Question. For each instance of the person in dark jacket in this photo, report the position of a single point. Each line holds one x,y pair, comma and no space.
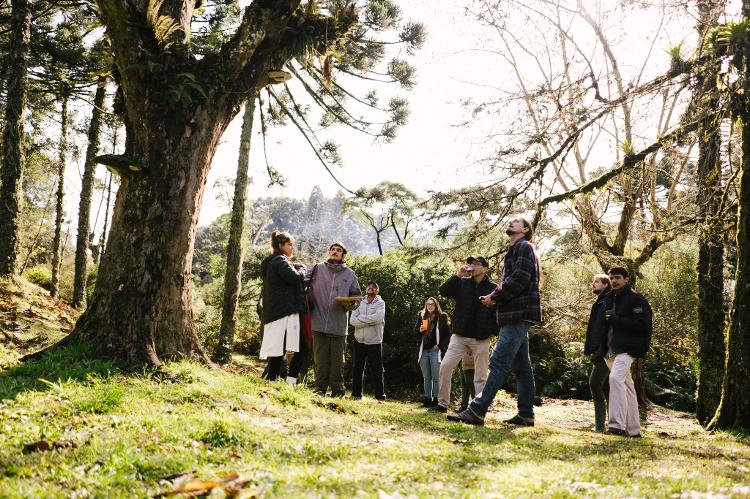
434,335
473,326
283,302
628,336
594,347
518,306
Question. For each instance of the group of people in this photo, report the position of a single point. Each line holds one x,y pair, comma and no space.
308,310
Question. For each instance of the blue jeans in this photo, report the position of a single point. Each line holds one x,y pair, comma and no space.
430,365
511,352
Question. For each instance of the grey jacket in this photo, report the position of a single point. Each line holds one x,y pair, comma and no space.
368,320
328,282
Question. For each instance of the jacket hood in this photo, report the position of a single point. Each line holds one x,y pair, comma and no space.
337,266
266,262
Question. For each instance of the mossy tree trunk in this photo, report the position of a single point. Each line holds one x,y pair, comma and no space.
11,170
233,272
710,268
734,407
176,109
60,198
83,238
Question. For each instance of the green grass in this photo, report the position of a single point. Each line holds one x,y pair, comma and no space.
129,431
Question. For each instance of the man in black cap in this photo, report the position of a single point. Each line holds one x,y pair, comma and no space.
473,326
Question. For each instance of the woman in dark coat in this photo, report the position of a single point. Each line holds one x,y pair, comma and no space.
283,307
434,335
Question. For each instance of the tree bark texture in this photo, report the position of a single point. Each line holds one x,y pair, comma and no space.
140,311
710,267
84,205
233,272
60,199
11,171
734,407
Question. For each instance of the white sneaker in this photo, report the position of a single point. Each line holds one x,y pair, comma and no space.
291,381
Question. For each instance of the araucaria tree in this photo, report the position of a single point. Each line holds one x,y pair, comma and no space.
176,107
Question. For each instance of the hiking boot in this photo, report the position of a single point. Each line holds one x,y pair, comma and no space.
438,408
617,431
520,421
468,416
600,415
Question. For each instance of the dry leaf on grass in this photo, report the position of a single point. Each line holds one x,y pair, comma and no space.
197,486
46,445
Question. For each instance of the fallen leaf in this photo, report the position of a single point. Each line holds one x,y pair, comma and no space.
46,445
197,485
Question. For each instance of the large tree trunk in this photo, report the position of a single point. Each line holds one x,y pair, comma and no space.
176,108
83,238
59,206
11,172
710,268
233,273
141,308
734,408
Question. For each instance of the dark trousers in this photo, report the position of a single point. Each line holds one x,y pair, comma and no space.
275,363
599,380
374,356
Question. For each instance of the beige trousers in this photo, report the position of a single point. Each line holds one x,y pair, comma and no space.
459,347
623,403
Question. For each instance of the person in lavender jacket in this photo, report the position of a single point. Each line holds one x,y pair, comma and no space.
330,280
518,306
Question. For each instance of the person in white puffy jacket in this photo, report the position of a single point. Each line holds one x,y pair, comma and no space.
368,320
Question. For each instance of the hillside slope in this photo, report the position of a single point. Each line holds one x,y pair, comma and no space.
30,319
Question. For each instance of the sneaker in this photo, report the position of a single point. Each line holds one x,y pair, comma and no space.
438,408
355,397
434,401
338,395
462,408
427,402
380,398
617,431
520,421
468,416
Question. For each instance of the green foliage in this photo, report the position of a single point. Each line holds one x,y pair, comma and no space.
101,398
405,283
41,275
668,282
184,91
221,433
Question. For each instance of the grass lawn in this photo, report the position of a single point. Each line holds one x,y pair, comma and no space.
138,435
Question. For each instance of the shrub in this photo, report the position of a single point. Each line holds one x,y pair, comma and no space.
40,275
405,283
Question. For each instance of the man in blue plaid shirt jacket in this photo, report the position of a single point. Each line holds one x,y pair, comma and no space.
518,307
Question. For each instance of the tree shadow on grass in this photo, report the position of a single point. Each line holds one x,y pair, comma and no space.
69,362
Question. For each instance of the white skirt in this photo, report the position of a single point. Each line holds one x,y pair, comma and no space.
274,334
